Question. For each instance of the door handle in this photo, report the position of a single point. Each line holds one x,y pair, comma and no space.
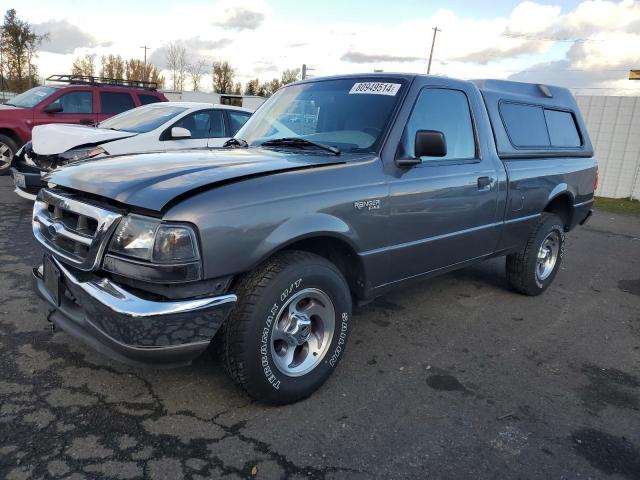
87,121
485,183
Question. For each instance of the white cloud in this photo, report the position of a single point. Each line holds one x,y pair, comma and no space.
65,37
240,18
264,44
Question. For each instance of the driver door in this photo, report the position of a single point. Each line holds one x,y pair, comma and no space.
444,211
77,107
199,124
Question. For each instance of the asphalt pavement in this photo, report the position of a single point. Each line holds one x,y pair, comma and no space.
455,377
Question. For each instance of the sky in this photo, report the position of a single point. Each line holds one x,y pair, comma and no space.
587,45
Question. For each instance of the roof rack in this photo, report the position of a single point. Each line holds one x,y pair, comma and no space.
104,81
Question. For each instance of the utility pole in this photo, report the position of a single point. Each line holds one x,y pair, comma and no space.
305,69
144,68
433,43
145,54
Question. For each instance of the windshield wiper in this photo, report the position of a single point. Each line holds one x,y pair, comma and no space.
235,142
299,142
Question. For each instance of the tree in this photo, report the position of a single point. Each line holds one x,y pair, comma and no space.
84,65
264,90
136,69
274,85
19,45
195,71
113,66
267,89
252,87
289,76
223,76
237,89
177,64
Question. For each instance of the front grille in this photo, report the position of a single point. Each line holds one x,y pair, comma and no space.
74,231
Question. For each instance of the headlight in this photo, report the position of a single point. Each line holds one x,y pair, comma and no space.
149,239
82,153
134,237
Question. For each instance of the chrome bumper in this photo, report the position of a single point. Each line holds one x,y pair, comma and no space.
129,328
25,195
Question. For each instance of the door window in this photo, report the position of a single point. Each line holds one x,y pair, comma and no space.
75,102
446,111
203,124
217,124
236,121
115,102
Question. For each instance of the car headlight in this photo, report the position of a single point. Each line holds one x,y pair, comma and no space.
150,239
82,153
134,237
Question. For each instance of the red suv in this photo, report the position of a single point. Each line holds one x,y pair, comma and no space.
84,100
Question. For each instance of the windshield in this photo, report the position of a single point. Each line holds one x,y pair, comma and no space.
142,119
32,97
348,114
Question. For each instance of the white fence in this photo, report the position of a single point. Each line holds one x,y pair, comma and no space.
614,127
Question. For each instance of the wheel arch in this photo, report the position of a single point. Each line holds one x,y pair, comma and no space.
326,236
560,203
12,135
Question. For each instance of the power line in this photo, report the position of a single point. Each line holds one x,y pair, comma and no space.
531,36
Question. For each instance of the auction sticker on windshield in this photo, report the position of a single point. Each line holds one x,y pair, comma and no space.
375,88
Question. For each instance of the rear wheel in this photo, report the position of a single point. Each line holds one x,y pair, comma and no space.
8,149
289,328
533,269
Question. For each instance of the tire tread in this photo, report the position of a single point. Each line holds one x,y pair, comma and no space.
516,265
249,289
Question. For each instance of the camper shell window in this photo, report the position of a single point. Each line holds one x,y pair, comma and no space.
533,126
534,121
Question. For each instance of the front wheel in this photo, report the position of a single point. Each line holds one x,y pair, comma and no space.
289,328
533,269
8,149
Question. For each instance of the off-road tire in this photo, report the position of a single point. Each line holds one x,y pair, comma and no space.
9,142
246,354
521,266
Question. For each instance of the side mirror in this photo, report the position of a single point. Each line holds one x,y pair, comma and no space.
429,143
53,107
179,133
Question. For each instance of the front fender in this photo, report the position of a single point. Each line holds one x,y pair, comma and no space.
18,131
307,226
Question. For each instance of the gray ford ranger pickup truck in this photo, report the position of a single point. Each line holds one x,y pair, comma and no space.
334,192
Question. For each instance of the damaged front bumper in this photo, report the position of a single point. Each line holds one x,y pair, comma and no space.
125,326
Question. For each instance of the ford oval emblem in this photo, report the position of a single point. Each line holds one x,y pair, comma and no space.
54,229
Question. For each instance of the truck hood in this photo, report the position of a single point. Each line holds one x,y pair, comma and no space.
57,138
152,180
9,112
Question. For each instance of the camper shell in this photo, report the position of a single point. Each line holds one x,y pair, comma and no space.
534,120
